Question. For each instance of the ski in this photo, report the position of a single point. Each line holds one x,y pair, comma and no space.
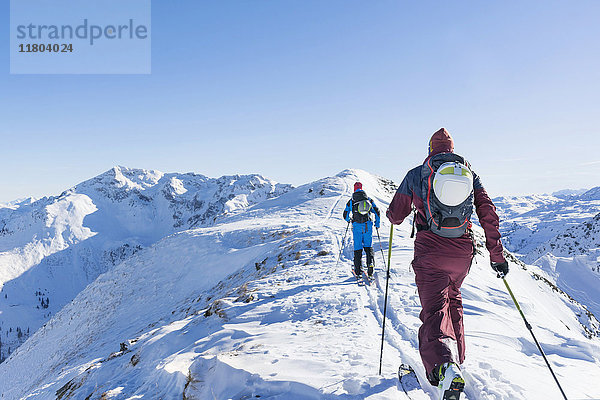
408,380
359,279
363,279
368,279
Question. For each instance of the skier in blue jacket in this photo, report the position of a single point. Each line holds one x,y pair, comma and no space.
358,210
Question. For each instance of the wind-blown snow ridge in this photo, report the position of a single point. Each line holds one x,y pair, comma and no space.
254,305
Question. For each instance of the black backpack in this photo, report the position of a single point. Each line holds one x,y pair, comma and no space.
444,220
361,207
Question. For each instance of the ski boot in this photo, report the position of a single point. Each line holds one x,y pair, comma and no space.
370,271
451,381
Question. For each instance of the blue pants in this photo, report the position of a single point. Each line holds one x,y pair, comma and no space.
363,237
362,234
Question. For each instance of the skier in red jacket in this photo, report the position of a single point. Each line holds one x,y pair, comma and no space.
443,254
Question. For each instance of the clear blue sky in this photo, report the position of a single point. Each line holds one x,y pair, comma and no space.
298,90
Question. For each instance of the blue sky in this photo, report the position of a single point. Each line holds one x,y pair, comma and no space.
298,90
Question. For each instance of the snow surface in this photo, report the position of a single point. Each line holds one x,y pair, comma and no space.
581,239
560,235
569,192
526,222
254,305
571,260
52,248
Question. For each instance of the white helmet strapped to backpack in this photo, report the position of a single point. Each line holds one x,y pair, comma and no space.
453,183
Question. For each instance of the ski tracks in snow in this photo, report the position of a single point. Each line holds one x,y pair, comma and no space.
281,322
401,345
402,319
402,311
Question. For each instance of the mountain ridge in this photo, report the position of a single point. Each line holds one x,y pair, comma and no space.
89,228
254,304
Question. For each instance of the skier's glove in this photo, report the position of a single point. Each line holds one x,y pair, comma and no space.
500,268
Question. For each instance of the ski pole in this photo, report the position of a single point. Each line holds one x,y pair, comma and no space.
380,246
387,280
342,246
534,338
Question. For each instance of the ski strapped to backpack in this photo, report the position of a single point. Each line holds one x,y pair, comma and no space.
447,190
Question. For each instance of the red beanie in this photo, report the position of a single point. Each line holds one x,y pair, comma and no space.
357,186
441,142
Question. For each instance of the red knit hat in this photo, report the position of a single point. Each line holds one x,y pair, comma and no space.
441,142
357,186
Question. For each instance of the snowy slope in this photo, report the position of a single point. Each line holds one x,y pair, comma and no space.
571,260
527,222
255,305
50,249
581,239
561,235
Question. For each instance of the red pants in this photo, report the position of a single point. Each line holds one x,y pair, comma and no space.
441,337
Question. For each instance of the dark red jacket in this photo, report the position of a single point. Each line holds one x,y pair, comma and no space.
427,242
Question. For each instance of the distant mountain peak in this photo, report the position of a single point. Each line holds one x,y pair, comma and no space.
353,172
98,224
134,178
569,192
592,194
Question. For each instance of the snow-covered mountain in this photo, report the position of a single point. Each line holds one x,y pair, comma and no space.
253,304
578,240
572,260
530,221
50,249
560,233
569,192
